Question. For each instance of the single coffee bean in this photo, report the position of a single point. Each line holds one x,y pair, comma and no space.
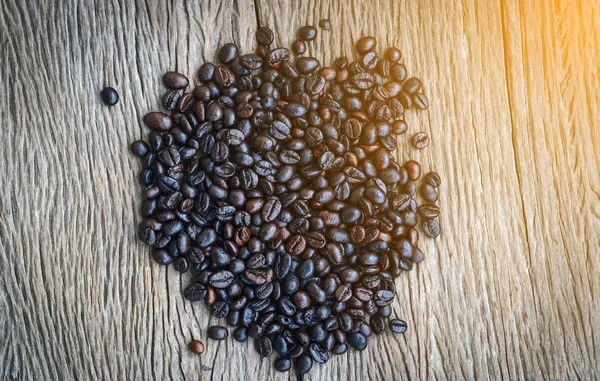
264,36
197,347
139,148
398,326
433,179
303,364
110,97
413,169
217,333
366,44
357,341
158,121
307,33
299,47
175,81
228,53
429,210
421,101
429,193
325,24
195,292
420,140
431,228
282,364
306,65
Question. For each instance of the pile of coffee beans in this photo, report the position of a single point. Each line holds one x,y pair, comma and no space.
273,181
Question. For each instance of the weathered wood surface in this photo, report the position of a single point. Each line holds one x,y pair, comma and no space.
509,291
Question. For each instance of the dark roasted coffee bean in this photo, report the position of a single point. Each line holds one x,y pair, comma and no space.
277,56
162,257
264,36
433,179
398,326
429,211
357,341
420,140
109,96
299,47
307,33
195,292
240,334
315,84
219,309
282,364
228,53
139,148
306,65
431,228
224,77
429,193
175,81
263,346
303,364
158,121
366,44
325,24
217,332
221,279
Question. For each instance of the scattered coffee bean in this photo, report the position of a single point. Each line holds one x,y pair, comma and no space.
325,24
197,347
431,228
307,33
110,97
398,326
175,81
420,140
218,332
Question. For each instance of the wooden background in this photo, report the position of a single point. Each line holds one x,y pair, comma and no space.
509,291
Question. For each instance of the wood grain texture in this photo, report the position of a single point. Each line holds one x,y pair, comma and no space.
509,291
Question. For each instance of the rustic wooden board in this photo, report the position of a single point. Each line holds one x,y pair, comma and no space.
510,290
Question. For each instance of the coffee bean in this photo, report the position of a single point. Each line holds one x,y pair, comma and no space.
429,211
277,56
357,341
175,81
158,121
224,77
217,333
195,292
366,44
110,97
431,228
228,53
307,33
197,347
221,279
398,326
420,140
306,65
282,364
429,193
420,101
325,24
139,148
264,36
433,179
315,84
299,47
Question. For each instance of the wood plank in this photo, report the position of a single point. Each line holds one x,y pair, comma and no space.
510,290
